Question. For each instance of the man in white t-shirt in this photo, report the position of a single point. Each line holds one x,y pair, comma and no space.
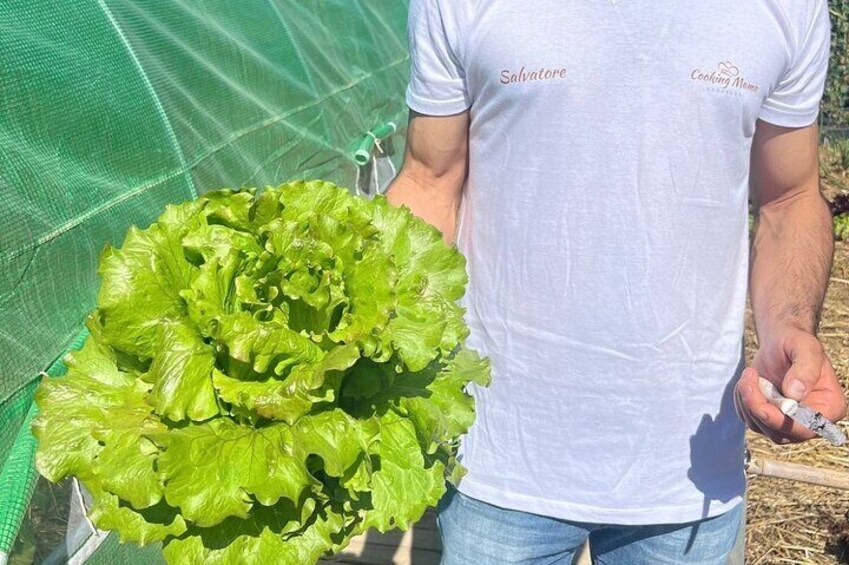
593,162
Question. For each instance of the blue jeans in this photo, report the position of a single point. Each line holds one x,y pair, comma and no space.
477,533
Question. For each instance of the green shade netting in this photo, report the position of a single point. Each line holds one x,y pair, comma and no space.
111,109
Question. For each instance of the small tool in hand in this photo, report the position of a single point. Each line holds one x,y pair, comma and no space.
809,418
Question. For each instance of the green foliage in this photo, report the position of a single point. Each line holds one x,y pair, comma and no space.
834,157
835,106
841,227
267,376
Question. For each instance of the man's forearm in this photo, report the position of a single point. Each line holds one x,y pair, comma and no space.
428,199
791,262
435,164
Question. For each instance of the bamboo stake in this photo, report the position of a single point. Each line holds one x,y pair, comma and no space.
801,473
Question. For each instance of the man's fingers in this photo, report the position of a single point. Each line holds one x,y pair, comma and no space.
750,395
797,364
807,357
757,404
833,406
811,366
763,416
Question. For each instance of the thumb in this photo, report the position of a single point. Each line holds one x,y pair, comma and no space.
806,357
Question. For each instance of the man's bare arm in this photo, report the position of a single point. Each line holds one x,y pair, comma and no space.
794,245
791,261
435,166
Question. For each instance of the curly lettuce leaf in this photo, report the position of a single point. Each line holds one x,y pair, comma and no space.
334,436
156,523
404,487
264,346
304,389
215,470
268,375
182,374
446,411
141,281
99,434
431,277
265,539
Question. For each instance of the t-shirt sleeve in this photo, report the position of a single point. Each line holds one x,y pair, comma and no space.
437,80
795,100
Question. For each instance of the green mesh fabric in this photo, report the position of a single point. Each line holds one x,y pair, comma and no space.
17,479
111,109
17,474
13,412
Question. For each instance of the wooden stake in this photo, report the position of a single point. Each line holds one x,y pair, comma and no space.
801,473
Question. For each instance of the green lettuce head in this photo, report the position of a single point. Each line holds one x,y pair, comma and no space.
266,376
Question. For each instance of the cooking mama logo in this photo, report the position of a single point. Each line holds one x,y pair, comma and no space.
725,76
509,76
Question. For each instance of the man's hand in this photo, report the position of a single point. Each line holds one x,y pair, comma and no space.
790,266
796,364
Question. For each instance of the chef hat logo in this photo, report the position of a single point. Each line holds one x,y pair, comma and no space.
728,69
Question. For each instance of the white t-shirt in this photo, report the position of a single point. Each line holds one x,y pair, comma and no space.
605,226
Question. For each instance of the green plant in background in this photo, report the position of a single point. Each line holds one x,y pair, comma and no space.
839,206
267,376
837,155
841,227
835,105
834,162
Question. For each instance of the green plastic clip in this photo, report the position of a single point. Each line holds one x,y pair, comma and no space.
365,145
